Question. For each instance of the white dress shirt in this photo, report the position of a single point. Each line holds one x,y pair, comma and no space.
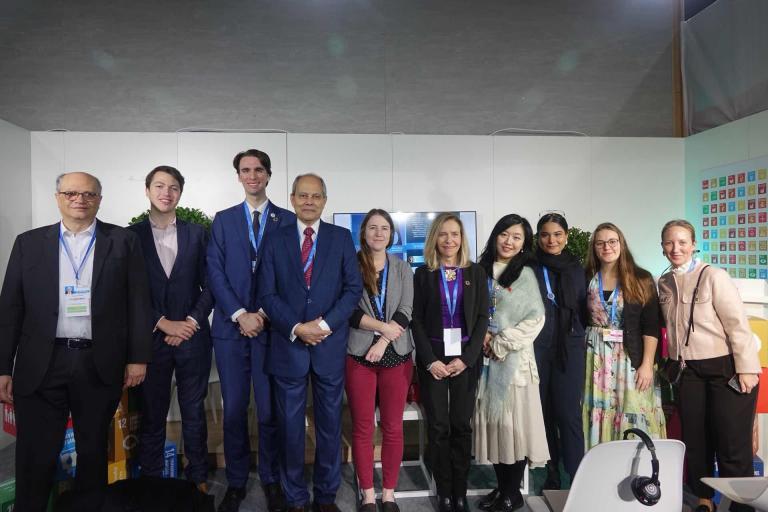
166,244
74,326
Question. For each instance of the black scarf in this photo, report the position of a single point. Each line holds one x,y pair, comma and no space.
565,297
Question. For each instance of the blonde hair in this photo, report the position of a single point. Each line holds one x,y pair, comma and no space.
431,255
680,223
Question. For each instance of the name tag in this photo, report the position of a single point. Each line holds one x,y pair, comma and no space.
77,301
452,341
614,335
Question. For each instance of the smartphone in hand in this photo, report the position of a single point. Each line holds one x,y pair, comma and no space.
735,384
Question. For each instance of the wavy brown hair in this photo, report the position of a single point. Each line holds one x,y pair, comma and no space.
364,256
636,285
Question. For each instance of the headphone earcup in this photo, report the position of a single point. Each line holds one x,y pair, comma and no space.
646,490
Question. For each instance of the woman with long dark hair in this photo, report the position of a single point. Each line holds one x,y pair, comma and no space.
560,347
450,319
379,358
623,332
509,426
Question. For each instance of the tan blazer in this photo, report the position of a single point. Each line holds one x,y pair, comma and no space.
720,324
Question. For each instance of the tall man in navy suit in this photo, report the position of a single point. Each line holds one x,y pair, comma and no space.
309,284
240,339
174,254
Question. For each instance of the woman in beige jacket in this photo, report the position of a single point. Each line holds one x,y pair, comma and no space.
709,334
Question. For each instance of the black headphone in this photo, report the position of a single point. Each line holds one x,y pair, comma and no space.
647,490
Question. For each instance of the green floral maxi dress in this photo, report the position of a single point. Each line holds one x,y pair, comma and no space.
612,404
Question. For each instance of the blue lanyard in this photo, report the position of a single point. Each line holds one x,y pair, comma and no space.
492,297
255,242
550,295
311,256
381,297
615,296
450,301
79,268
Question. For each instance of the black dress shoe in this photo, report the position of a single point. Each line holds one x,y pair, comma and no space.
552,483
507,504
232,499
298,508
460,504
275,498
444,504
486,502
389,506
367,507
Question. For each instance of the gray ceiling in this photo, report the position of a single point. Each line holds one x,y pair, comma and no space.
602,67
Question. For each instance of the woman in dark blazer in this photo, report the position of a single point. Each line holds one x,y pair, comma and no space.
379,358
450,318
623,332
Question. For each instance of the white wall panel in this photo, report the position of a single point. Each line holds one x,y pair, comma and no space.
533,174
205,160
638,185
357,169
438,173
47,162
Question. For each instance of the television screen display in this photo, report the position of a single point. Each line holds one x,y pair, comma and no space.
411,230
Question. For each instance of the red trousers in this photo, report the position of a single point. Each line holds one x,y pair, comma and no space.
361,385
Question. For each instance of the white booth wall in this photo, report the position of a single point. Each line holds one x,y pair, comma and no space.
16,203
591,179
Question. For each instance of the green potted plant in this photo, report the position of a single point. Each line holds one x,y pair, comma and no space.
193,215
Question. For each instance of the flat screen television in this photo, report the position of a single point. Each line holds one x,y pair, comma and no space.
411,230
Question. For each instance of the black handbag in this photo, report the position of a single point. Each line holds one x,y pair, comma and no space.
671,370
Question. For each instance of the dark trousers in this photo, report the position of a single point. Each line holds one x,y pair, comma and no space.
192,363
449,404
70,385
291,401
509,477
562,392
716,422
241,365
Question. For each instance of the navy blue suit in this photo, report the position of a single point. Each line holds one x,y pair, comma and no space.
175,297
240,359
334,292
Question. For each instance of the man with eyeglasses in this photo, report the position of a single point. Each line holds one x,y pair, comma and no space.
75,316
240,339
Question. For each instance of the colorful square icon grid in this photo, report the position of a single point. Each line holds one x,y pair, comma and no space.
734,226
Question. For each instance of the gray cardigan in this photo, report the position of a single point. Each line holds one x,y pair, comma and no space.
398,304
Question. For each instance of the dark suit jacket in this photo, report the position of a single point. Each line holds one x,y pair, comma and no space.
185,292
428,314
229,265
334,291
121,318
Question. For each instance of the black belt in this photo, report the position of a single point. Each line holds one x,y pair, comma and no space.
74,343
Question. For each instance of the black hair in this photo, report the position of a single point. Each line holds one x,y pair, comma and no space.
262,156
519,260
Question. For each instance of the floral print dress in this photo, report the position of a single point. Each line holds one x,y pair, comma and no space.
612,404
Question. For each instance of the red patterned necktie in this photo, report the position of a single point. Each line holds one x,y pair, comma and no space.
306,248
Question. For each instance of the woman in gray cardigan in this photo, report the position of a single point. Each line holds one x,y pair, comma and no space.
379,357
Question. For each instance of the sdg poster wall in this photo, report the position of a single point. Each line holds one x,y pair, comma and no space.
734,230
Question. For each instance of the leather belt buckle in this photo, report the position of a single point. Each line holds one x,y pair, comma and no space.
74,343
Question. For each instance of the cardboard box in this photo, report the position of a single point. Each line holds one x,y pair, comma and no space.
124,430
8,497
117,471
759,326
9,419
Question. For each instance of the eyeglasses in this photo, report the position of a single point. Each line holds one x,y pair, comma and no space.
612,243
71,195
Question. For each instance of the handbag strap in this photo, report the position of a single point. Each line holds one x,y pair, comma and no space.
693,303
